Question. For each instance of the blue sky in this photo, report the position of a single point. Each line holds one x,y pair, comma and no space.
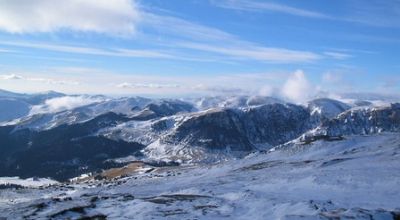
191,47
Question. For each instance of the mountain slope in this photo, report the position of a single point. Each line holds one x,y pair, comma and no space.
205,103
15,105
62,152
325,108
363,120
12,108
76,139
356,178
218,134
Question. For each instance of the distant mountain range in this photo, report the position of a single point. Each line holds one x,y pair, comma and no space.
61,136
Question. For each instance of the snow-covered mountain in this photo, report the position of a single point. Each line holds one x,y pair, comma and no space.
361,121
356,178
15,105
325,108
214,134
205,103
197,158
12,108
171,130
233,131
83,108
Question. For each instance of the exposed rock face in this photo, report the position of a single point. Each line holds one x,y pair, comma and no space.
62,152
361,121
216,129
163,108
365,121
275,124
324,109
241,130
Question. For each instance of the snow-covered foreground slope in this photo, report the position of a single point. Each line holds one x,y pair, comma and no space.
30,182
356,178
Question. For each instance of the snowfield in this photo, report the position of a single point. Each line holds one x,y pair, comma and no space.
30,182
355,178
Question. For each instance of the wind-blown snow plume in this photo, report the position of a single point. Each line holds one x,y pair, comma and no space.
297,88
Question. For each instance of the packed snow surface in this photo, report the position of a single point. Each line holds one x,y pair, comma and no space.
30,182
355,178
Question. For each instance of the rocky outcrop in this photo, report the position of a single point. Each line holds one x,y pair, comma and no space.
241,130
324,109
359,121
163,108
365,121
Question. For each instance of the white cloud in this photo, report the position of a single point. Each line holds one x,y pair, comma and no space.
127,85
111,52
341,79
217,90
180,35
246,50
190,35
117,17
5,51
279,55
178,27
93,51
337,55
375,13
36,79
10,76
143,53
297,88
331,77
268,90
53,81
63,103
249,5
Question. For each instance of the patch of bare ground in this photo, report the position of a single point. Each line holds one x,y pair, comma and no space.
122,171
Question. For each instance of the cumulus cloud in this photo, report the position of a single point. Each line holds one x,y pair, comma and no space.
127,85
64,103
101,16
297,88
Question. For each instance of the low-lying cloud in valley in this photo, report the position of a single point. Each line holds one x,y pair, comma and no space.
64,103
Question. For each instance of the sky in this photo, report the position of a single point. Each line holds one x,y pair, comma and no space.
200,47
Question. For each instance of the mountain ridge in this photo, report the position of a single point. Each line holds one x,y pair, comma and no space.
178,130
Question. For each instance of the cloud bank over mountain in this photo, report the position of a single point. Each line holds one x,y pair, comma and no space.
64,103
